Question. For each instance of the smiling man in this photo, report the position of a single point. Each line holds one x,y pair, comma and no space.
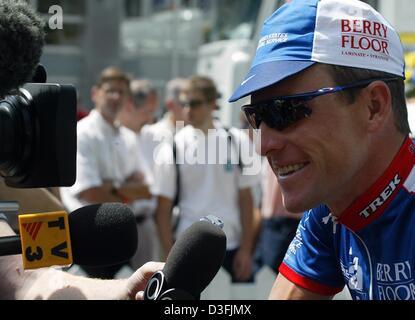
327,93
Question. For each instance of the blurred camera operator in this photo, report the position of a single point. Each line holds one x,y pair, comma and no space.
21,42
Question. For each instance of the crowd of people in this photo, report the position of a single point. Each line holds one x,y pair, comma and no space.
124,155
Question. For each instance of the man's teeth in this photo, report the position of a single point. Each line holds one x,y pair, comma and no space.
285,171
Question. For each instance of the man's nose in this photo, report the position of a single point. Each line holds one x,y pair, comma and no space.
270,139
186,110
115,95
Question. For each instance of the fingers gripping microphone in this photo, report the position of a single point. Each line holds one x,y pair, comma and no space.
100,235
193,262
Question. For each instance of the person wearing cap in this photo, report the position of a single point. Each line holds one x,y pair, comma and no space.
327,93
213,184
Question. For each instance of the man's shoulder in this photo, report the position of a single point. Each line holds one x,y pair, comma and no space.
88,126
157,131
87,130
127,134
319,218
185,133
159,125
85,122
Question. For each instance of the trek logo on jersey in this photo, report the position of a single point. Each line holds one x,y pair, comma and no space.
381,199
365,36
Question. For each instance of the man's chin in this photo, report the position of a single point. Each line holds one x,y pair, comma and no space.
297,205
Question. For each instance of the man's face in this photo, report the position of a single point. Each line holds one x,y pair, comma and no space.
318,159
151,105
177,108
110,98
199,110
144,114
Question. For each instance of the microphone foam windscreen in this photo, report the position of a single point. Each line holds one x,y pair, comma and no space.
195,258
103,234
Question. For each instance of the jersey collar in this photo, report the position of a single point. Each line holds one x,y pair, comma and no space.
371,205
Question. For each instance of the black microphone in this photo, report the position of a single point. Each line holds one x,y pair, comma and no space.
100,235
193,262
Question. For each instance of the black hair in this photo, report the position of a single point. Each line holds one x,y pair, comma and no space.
22,37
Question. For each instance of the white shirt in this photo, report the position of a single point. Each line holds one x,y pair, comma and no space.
205,189
104,154
144,206
152,136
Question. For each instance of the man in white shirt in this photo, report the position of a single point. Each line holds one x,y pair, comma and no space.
209,187
107,166
137,112
174,119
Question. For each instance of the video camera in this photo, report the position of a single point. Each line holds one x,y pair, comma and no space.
38,135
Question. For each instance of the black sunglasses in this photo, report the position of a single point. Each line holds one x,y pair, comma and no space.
192,104
281,112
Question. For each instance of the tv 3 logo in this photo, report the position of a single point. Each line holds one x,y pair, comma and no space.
33,230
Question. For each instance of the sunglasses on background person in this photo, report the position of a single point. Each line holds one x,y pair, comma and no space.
281,112
192,104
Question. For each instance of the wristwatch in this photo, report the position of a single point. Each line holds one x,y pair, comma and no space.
115,187
115,191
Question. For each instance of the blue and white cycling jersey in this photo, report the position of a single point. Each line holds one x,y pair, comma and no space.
370,248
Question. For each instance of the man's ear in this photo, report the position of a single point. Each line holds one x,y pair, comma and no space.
379,104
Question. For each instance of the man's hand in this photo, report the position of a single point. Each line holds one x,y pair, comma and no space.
138,281
137,177
242,265
135,187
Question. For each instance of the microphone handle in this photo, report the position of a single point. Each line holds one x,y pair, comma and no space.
10,246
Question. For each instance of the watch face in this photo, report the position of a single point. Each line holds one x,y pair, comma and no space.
114,188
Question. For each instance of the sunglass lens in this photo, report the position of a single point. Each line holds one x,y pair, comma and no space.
252,116
195,103
279,116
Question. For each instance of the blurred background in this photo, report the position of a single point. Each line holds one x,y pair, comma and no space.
163,39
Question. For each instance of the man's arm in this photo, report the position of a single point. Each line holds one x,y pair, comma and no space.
129,191
50,283
30,200
284,289
243,259
164,223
